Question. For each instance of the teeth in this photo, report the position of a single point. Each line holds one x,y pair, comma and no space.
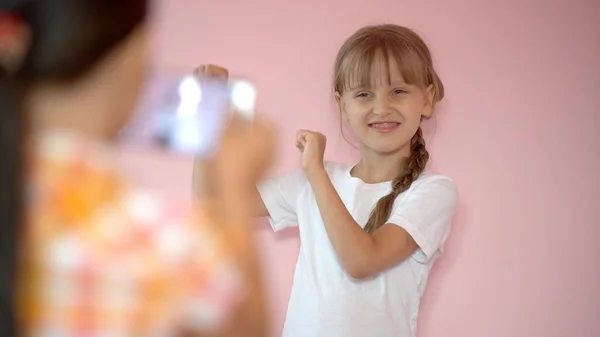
384,125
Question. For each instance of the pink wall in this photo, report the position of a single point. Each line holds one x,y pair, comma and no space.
516,131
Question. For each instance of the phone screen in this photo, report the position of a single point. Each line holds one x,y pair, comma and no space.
186,115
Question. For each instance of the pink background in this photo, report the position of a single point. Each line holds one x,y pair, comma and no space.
517,131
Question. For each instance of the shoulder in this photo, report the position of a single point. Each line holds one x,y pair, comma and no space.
435,186
335,169
428,178
297,176
150,210
173,225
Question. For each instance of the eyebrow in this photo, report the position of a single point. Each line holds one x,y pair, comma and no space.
364,87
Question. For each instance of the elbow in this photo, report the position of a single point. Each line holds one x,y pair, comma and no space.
364,265
358,275
361,271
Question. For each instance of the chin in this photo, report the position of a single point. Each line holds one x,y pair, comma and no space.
386,150
386,147
390,152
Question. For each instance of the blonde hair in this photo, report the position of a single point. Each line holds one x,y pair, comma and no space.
353,67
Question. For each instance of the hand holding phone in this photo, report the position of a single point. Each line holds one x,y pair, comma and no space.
245,144
185,112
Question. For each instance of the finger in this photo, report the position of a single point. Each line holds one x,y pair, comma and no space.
199,71
222,72
301,139
209,71
216,71
302,135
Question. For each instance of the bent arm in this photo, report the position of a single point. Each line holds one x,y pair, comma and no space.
250,318
361,254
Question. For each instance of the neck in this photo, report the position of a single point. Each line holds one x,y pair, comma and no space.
379,167
72,109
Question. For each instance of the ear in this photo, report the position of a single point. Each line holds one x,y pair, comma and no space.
342,106
429,95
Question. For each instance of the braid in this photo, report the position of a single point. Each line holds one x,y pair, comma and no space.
411,170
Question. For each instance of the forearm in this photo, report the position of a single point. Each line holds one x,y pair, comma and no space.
204,189
352,244
251,318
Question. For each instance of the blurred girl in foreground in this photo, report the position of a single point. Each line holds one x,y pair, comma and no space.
84,252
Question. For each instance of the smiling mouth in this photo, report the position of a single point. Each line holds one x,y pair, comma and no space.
384,126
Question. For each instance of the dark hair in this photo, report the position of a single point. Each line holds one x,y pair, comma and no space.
353,67
69,37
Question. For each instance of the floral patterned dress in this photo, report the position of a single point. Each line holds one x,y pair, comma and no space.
101,257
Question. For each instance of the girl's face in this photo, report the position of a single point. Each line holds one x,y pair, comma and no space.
386,114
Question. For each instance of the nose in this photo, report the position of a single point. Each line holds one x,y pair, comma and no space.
382,107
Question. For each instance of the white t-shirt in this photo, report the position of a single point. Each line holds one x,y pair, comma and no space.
325,301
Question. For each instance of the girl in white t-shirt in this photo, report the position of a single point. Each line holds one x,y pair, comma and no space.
369,232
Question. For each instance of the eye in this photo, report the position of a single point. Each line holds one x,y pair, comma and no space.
399,92
363,95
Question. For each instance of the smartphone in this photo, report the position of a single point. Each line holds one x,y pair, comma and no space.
184,114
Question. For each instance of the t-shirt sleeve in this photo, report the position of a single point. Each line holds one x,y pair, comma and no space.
280,196
426,214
